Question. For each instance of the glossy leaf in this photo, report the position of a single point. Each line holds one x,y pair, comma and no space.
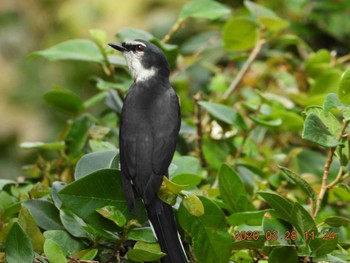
96,190
73,224
144,234
68,244
113,214
54,252
145,252
208,9
28,224
93,162
192,203
18,246
64,101
44,213
76,49
240,34
224,113
211,242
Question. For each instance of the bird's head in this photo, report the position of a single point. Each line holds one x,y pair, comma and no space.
145,60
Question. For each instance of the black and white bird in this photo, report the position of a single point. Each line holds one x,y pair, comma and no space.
150,123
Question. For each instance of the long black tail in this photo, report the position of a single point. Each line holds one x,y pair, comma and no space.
163,222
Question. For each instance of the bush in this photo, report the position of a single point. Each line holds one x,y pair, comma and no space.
261,167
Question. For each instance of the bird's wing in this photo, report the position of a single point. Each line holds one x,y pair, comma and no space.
165,136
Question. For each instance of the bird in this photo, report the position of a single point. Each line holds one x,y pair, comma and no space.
149,127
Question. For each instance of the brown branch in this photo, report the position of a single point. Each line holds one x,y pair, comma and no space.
198,121
255,52
173,30
327,166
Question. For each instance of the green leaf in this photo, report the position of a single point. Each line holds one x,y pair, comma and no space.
316,131
77,135
304,185
144,234
18,247
54,252
283,254
266,122
210,239
43,146
28,224
326,83
302,220
331,102
266,17
99,36
99,189
64,101
321,246
318,63
89,254
73,224
113,214
134,33
275,231
190,180
251,218
344,87
75,49
68,244
44,213
281,205
192,203
93,162
145,252
215,152
337,221
224,113
232,190
240,34
204,9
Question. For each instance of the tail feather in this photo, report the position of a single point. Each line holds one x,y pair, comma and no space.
163,222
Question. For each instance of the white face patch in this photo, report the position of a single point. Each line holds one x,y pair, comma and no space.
133,59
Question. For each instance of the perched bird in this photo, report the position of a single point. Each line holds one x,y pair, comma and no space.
150,123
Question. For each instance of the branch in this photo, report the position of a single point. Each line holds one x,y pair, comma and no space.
259,44
173,30
327,166
198,121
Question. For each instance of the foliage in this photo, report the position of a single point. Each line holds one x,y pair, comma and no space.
247,187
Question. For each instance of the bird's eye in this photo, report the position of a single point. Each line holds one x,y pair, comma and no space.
139,48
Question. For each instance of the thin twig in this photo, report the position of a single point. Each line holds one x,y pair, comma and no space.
173,30
324,186
198,121
255,52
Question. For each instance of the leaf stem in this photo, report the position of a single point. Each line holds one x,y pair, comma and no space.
324,186
255,52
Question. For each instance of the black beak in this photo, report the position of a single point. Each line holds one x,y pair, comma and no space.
117,46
